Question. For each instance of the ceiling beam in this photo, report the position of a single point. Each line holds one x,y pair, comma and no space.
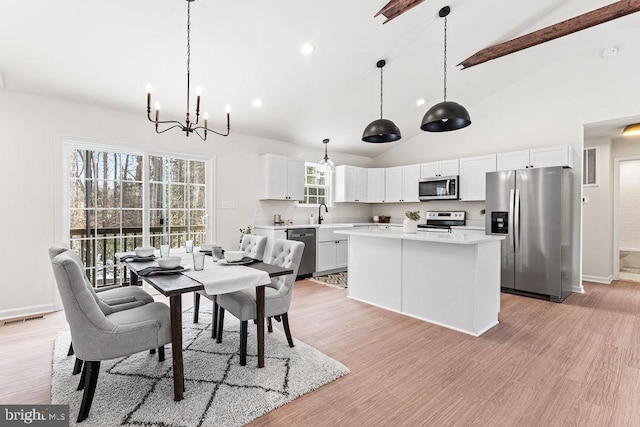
561,29
396,8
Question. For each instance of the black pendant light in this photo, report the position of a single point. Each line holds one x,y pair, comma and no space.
381,130
446,115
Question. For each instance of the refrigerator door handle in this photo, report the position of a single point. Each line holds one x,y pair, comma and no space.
516,222
510,221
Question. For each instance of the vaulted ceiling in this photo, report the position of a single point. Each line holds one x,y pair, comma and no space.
104,53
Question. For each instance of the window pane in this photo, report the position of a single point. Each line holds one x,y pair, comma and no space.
313,191
155,217
132,219
321,192
106,166
197,196
109,218
177,196
156,195
131,167
311,179
178,218
591,166
108,194
76,163
78,194
156,168
79,220
197,172
177,169
132,194
197,218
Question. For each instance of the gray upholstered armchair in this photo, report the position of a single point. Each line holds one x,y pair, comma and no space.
110,300
242,304
98,336
253,247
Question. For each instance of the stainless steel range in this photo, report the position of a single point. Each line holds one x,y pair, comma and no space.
443,220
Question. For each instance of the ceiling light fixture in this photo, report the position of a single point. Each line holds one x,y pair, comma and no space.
381,130
447,115
306,49
325,161
632,130
420,102
188,127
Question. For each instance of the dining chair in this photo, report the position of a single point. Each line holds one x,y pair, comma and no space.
242,304
110,300
97,336
253,247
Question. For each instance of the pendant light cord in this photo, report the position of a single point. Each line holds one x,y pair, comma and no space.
381,92
188,52
445,59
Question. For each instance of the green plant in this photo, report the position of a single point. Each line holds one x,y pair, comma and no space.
414,215
244,231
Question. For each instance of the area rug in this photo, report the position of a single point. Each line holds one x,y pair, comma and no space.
335,280
138,389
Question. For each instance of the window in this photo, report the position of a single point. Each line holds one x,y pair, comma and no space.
115,199
590,167
316,184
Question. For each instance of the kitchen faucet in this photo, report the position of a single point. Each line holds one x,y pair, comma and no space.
320,210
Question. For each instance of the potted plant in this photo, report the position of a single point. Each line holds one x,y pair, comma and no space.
244,231
410,223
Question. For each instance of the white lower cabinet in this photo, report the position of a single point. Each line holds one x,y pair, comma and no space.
332,255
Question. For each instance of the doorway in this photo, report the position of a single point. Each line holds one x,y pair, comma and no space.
627,210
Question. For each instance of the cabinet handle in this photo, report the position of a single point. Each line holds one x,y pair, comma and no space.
531,166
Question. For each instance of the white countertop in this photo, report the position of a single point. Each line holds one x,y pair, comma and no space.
354,224
455,238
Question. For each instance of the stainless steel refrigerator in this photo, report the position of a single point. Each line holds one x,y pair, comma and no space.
531,208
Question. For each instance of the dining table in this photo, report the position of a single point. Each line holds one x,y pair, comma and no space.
176,284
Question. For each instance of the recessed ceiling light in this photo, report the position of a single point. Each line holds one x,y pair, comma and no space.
306,49
420,102
609,52
257,102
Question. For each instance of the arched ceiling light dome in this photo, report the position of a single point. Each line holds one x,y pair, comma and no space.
326,162
447,115
381,130
632,130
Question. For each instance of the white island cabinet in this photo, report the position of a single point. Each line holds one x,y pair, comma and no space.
449,279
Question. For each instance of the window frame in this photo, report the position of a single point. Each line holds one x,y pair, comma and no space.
328,186
64,144
585,164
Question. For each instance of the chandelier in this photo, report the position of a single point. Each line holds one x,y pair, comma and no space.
189,126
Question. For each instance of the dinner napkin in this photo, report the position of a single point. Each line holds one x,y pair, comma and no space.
133,257
221,279
149,271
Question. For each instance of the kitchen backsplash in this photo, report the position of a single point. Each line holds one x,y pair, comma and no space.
360,212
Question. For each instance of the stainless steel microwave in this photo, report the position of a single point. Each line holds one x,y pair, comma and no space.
439,188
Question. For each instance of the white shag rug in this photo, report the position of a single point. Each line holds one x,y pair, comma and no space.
138,389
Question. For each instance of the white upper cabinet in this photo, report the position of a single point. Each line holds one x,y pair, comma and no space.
350,184
472,176
442,168
401,183
375,185
282,178
560,155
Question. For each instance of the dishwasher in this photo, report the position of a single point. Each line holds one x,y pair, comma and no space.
308,262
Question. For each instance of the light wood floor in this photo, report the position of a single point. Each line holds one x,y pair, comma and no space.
576,363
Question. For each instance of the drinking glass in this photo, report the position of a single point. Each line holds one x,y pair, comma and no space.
164,250
216,253
188,246
198,261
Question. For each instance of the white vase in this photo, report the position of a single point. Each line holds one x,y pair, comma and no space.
409,226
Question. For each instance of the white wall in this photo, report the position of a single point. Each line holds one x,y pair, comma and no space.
597,217
544,109
27,128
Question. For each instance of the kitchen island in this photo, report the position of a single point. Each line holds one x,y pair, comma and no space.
449,279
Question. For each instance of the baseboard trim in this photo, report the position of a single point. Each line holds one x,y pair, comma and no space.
25,312
597,279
